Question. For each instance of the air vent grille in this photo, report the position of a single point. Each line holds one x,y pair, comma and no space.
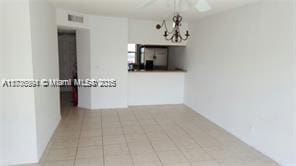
74,18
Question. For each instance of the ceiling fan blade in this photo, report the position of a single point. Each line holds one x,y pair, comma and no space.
202,6
145,3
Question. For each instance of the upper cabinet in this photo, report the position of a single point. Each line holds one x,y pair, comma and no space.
145,32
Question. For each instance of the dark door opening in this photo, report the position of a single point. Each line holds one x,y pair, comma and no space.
68,66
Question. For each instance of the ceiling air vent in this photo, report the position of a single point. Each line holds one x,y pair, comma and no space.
74,18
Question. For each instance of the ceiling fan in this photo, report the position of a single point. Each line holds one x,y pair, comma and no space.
183,5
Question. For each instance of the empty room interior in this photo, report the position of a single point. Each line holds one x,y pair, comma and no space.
148,82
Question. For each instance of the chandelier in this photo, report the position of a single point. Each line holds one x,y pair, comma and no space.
175,34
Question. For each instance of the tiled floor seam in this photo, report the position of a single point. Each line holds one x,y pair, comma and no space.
147,137
80,131
171,139
167,131
102,131
129,151
196,142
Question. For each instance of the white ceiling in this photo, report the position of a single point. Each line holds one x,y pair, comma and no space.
156,11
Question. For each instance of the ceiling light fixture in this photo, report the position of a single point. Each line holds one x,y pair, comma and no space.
175,34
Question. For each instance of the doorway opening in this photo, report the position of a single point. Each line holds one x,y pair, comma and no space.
68,66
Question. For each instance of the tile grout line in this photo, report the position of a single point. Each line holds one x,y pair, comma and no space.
63,119
129,151
197,142
163,119
80,131
170,138
147,138
102,135
53,139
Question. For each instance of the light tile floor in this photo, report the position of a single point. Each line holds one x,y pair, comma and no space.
168,135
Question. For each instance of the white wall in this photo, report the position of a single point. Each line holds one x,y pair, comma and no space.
29,116
155,88
62,19
240,75
145,32
83,65
45,66
1,91
294,87
109,39
108,53
19,121
294,83
108,56
1,103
